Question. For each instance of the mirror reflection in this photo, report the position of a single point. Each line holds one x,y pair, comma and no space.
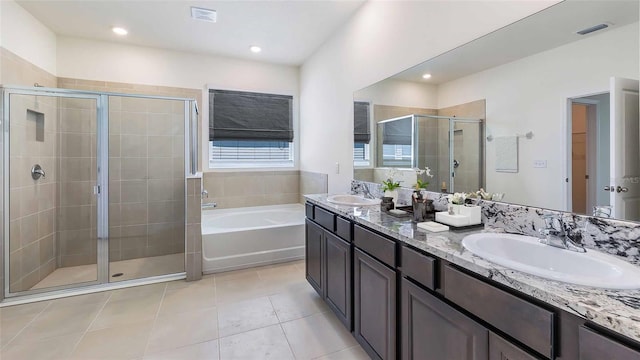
555,111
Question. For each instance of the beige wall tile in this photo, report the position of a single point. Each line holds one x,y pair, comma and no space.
133,213
133,169
133,123
133,146
134,191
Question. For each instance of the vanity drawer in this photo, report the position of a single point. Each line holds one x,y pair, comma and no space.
524,321
344,228
325,218
419,267
308,210
594,346
375,245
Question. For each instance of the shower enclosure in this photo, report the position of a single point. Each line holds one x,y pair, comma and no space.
452,147
94,188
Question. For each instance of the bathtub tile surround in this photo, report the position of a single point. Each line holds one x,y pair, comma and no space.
193,265
614,309
251,188
141,322
313,183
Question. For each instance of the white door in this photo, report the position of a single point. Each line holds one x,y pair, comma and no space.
625,149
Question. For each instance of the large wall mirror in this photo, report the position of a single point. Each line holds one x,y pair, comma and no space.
544,110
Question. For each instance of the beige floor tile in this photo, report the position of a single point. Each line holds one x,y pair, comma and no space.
51,349
243,274
186,328
122,342
188,298
246,315
295,305
317,335
354,353
242,289
59,321
10,327
127,311
34,309
153,290
264,343
88,299
179,284
203,351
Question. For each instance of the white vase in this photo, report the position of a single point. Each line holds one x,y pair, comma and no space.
392,194
454,209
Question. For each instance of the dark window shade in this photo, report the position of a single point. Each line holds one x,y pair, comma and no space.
397,132
361,132
236,115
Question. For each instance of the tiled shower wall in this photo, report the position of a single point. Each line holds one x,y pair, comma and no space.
33,203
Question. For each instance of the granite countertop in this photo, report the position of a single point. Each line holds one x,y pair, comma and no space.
618,310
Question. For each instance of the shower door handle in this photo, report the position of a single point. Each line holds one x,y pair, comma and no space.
96,190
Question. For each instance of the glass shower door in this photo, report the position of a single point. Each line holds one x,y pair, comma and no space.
52,176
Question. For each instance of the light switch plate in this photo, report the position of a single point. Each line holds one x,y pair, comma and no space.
539,163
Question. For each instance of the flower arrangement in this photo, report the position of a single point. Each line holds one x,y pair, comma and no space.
390,184
422,184
482,194
457,198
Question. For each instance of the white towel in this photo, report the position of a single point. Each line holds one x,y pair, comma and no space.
506,154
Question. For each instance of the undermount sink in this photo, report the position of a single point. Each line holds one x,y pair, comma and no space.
352,200
527,254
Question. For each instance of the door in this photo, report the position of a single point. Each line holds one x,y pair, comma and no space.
579,161
625,149
432,330
374,306
314,246
338,270
55,231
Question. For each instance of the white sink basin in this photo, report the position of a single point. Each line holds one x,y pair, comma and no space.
352,200
527,254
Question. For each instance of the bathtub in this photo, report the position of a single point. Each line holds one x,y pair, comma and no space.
253,236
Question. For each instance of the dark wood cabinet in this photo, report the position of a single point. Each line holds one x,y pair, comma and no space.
314,252
374,306
433,330
594,346
338,277
501,349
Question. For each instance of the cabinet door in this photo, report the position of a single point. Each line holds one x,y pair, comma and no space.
501,349
374,306
314,249
594,346
338,280
432,330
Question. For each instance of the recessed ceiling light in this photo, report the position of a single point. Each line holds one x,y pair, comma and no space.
119,31
426,76
255,49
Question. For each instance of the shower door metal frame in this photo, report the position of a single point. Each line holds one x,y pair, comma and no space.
102,188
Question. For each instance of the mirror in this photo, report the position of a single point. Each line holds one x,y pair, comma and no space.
557,108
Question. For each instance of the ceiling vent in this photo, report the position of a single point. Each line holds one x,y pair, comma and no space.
203,14
592,29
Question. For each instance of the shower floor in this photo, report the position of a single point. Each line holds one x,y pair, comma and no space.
130,269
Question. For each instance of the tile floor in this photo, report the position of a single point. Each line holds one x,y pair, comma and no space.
131,269
261,313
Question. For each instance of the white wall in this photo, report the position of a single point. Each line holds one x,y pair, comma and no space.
531,95
106,61
381,39
400,93
26,37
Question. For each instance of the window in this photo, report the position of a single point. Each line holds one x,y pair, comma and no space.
250,129
361,133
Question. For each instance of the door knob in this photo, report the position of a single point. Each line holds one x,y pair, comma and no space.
620,189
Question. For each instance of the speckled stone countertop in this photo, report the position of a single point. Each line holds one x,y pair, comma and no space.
618,310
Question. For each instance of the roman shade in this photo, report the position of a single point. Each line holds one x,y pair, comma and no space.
397,132
361,132
238,115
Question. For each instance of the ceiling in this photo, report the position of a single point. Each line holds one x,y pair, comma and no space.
545,30
287,31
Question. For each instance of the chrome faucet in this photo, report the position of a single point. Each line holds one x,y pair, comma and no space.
554,234
367,192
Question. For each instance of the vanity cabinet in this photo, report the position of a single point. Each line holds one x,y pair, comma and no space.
433,330
594,346
328,264
375,306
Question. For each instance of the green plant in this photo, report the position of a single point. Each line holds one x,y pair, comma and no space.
390,185
421,184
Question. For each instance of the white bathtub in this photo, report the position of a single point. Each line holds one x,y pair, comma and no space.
253,236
